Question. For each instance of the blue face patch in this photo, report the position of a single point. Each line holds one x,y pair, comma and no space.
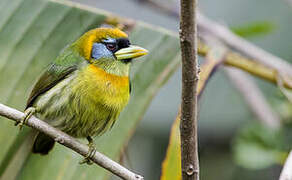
99,51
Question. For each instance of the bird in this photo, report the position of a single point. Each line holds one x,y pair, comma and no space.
83,91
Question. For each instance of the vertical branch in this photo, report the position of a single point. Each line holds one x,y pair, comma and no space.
188,123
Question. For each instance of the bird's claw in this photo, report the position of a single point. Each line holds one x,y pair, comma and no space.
27,114
90,154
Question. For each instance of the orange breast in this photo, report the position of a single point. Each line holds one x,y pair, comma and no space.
97,85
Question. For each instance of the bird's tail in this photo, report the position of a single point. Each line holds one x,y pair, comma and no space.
43,144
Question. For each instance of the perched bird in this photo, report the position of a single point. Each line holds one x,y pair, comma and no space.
84,90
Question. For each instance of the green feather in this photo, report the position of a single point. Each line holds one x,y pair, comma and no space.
65,64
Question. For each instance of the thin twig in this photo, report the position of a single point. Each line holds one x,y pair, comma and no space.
286,173
252,59
214,58
70,142
233,41
268,67
252,94
254,97
188,123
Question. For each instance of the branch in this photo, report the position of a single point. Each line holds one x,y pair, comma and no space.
239,44
249,90
188,123
254,97
286,173
252,59
70,142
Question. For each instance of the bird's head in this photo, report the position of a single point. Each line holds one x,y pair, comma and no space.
107,46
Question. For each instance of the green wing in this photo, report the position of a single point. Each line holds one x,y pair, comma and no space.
52,75
65,63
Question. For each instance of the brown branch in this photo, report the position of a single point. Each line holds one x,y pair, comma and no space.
286,173
188,123
213,60
70,142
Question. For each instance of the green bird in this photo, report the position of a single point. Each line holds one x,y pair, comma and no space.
87,86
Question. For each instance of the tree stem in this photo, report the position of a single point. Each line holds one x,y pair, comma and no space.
188,123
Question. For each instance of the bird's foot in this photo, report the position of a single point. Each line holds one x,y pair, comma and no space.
27,114
90,154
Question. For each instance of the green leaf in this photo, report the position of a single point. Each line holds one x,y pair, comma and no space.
171,166
254,29
32,33
257,147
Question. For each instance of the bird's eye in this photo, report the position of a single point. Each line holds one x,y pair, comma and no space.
111,46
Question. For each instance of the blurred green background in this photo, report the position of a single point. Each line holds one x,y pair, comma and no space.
222,109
